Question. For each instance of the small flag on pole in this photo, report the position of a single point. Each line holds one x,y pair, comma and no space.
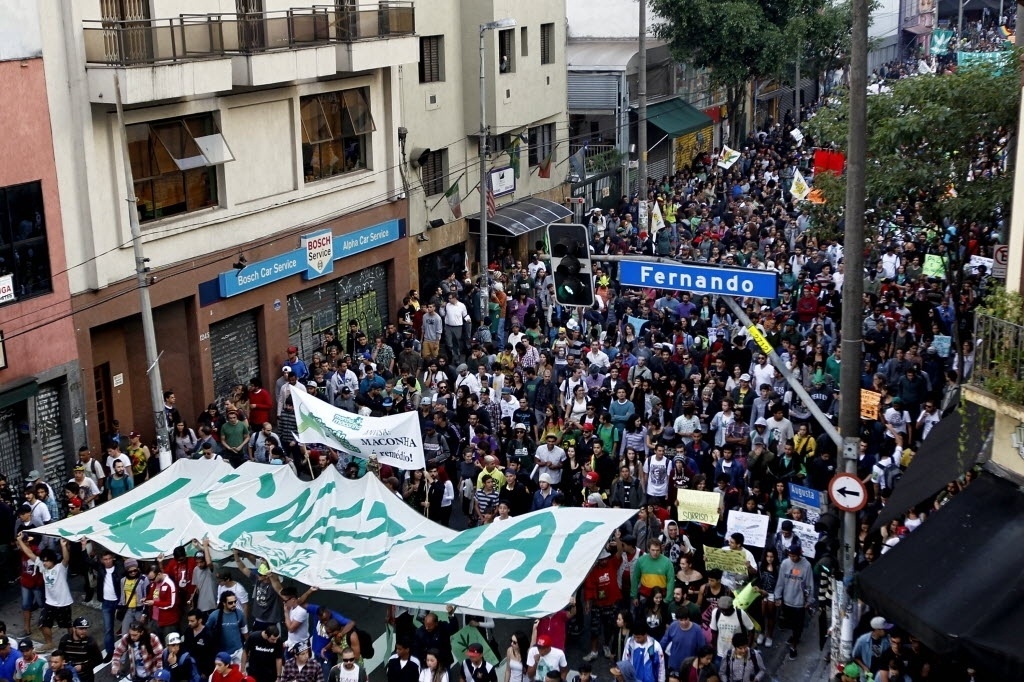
454,200
799,189
513,157
728,157
492,208
545,165
578,162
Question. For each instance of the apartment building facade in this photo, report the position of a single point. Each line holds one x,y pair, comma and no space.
266,175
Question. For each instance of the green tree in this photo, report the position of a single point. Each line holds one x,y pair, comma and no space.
743,41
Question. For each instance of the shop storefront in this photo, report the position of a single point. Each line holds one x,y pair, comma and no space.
236,323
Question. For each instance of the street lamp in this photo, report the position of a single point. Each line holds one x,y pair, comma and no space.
489,26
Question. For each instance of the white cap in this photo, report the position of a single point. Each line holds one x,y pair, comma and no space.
744,377
545,478
173,638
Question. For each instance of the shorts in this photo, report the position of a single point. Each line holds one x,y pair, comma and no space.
61,615
32,598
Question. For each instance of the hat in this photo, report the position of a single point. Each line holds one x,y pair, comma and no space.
26,644
173,638
293,349
796,548
163,675
725,602
79,467
135,434
34,475
897,401
25,508
462,368
286,369
224,657
588,426
130,563
200,555
593,477
300,646
545,478
4,642
744,377
520,427
264,569
346,389
879,623
475,648
311,384
787,525
81,622
594,500
543,641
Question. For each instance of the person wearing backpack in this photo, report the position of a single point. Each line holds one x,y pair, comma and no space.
741,663
726,623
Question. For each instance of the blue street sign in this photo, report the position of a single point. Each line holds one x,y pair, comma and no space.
808,498
699,279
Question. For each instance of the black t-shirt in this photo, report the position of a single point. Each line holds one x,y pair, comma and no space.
263,655
201,646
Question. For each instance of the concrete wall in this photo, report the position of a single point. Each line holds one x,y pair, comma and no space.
19,30
885,20
607,18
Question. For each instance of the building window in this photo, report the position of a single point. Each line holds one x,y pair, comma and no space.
431,59
507,50
336,128
524,49
547,43
174,165
435,173
542,143
24,253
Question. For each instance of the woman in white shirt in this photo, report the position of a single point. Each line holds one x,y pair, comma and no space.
515,668
577,407
433,671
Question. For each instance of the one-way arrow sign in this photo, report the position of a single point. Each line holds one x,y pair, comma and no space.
847,492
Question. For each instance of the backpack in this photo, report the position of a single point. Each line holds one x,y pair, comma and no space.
728,663
365,643
891,475
739,617
663,241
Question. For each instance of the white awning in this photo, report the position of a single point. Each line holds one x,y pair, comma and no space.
605,55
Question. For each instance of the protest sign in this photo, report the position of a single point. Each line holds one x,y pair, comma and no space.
753,526
808,538
698,505
869,401
934,266
725,559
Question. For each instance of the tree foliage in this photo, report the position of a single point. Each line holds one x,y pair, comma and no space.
928,136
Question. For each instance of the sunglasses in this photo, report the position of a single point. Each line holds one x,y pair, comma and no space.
231,603
348,660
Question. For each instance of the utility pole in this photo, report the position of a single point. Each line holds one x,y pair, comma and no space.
641,112
156,387
959,24
853,289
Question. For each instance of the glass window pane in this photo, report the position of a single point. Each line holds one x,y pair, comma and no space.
314,123
357,113
168,196
25,208
332,106
179,144
215,148
199,188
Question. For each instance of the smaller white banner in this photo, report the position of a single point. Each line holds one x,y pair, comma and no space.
753,526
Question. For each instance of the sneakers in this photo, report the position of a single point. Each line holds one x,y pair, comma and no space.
590,657
607,652
760,639
94,604
768,642
792,653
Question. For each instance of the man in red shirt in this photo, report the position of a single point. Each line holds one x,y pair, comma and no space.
179,570
601,595
261,404
554,626
162,600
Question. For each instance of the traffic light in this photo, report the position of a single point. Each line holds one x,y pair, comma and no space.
570,261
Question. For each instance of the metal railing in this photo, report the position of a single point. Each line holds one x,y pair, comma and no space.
204,36
998,358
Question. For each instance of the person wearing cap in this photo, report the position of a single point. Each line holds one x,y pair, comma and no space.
139,652
31,666
742,663
544,496
265,605
297,366
474,668
224,671
139,455
726,622
543,659
179,664
81,652
92,467
869,647
794,592
89,491
9,657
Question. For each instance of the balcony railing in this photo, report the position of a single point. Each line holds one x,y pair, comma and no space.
203,36
999,358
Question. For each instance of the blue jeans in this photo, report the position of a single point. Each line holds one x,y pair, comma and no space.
109,609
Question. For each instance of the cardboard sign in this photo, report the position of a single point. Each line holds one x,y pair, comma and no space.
753,526
698,505
808,538
725,559
869,402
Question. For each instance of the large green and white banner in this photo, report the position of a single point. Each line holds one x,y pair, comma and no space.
395,440
354,536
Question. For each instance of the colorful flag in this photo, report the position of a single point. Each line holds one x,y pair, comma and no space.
578,162
492,208
545,165
799,189
728,157
513,157
828,161
657,221
454,200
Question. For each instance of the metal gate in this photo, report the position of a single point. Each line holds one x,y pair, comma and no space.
235,350
599,190
310,313
363,296
10,447
49,433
